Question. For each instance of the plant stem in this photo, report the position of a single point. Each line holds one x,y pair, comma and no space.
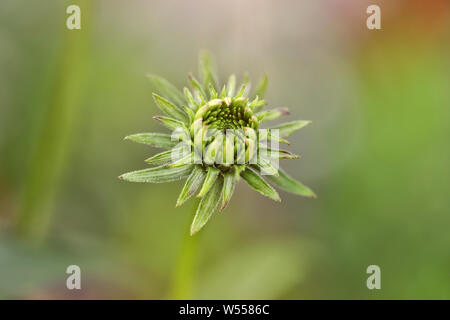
184,274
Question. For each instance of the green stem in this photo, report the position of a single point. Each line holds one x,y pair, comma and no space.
184,275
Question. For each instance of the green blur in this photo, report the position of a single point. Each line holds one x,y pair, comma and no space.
376,154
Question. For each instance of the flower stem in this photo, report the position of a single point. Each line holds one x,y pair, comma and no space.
184,274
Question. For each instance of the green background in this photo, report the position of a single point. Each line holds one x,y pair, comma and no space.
377,153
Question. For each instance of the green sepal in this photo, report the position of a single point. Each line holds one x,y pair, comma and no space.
158,174
261,88
259,184
169,122
167,89
159,140
289,184
272,114
229,183
276,153
198,89
207,207
170,109
194,181
211,177
287,128
190,99
241,91
187,159
207,70
190,113
231,85
162,158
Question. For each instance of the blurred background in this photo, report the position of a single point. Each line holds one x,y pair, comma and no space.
377,153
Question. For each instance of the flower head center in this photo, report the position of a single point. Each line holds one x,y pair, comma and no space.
227,113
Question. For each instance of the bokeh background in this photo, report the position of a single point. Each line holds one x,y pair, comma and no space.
377,153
